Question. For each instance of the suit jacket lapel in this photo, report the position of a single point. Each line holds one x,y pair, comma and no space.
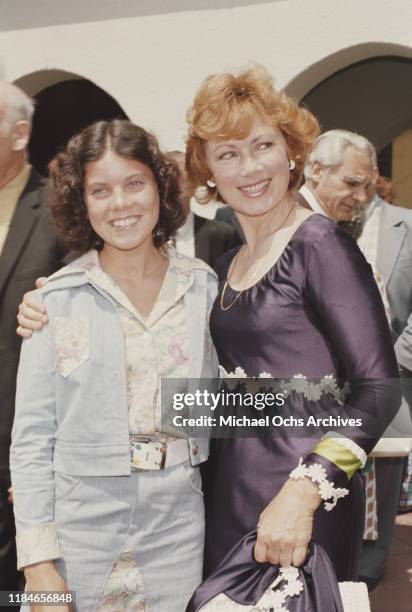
391,235
202,242
298,197
22,223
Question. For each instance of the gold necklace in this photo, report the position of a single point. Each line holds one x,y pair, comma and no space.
224,308
239,293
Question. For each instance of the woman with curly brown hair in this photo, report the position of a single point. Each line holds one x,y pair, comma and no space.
106,504
292,304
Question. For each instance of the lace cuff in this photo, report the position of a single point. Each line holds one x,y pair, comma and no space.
317,473
37,544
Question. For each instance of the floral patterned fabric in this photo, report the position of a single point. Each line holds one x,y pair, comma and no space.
124,591
156,347
71,343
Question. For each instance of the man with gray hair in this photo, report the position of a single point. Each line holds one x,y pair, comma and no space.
28,249
338,174
341,174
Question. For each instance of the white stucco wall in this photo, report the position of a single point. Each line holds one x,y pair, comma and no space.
153,64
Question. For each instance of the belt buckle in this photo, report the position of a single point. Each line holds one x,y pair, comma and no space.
146,454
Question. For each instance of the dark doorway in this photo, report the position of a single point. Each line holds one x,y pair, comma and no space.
372,97
62,110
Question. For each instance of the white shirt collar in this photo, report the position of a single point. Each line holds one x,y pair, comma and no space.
312,201
374,205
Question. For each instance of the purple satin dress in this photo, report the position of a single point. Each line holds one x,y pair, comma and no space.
317,312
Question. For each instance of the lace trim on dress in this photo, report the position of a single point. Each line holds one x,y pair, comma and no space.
299,383
317,473
240,373
287,584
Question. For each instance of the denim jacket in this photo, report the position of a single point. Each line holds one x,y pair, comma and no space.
59,396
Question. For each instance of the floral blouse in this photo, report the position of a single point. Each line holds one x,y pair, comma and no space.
156,347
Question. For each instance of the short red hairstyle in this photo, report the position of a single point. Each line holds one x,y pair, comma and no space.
225,107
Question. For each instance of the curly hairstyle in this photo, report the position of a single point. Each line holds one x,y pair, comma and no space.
225,107
66,196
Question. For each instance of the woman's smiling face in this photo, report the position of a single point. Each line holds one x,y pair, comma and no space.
122,201
252,174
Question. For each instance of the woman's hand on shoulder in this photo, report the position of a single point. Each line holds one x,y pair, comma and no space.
285,525
32,315
45,577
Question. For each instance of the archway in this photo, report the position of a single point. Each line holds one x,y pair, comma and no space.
304,82
371,96
65,103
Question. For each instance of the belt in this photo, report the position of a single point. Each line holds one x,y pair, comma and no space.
148,455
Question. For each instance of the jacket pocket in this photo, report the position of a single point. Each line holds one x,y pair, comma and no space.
193,477
71,343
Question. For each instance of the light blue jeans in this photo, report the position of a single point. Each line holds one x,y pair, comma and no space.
158,515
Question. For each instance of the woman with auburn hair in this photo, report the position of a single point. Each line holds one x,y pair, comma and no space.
297,302
106,503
